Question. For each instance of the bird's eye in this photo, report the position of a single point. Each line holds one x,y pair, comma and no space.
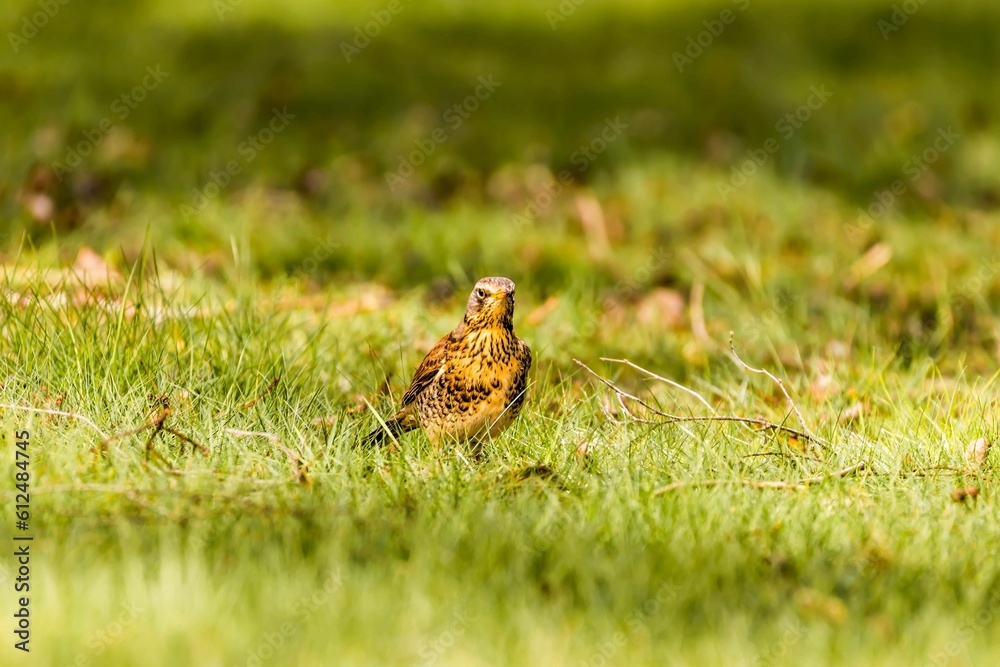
481,293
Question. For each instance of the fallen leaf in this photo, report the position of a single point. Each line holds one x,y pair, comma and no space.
368,299
977,451
92,270
583,456
960,495
868,264
823,387
853,413
40,206
663,307
595,228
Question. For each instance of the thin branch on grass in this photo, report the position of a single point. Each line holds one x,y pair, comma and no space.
158,424
757,484
931,471
782,454
773,378
653,375
178,434
251,434
59,413
298,467
849,470
672,419
267,390
800,485
249,404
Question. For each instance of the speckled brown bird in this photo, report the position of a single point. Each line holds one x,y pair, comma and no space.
471,385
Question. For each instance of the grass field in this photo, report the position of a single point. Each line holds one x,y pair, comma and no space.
196,365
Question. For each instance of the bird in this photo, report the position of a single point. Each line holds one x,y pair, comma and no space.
471,385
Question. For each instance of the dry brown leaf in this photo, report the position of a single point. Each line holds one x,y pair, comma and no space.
822,387
853,413
977,451
869,263
369,299
960,495
838,349
595,227
92,270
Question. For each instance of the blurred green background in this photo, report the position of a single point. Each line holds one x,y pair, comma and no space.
564,71
821,177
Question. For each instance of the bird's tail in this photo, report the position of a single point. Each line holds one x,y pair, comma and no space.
397,426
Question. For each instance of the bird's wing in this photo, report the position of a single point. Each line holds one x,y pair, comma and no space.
429,368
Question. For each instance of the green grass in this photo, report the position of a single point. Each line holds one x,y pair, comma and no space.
431,557
307,268
354,119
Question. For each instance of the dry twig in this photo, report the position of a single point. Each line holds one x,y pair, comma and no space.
158,424
298,467
769,374
60,413
267,390
801,485
653,375
671,419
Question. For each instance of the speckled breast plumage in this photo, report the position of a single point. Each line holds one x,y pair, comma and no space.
480,389
471,385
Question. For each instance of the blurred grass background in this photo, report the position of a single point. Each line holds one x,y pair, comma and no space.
314,204
308,266
230,65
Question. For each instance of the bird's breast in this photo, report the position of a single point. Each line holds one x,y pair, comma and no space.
488,350
480,389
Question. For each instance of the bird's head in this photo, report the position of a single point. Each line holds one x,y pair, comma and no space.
491,304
